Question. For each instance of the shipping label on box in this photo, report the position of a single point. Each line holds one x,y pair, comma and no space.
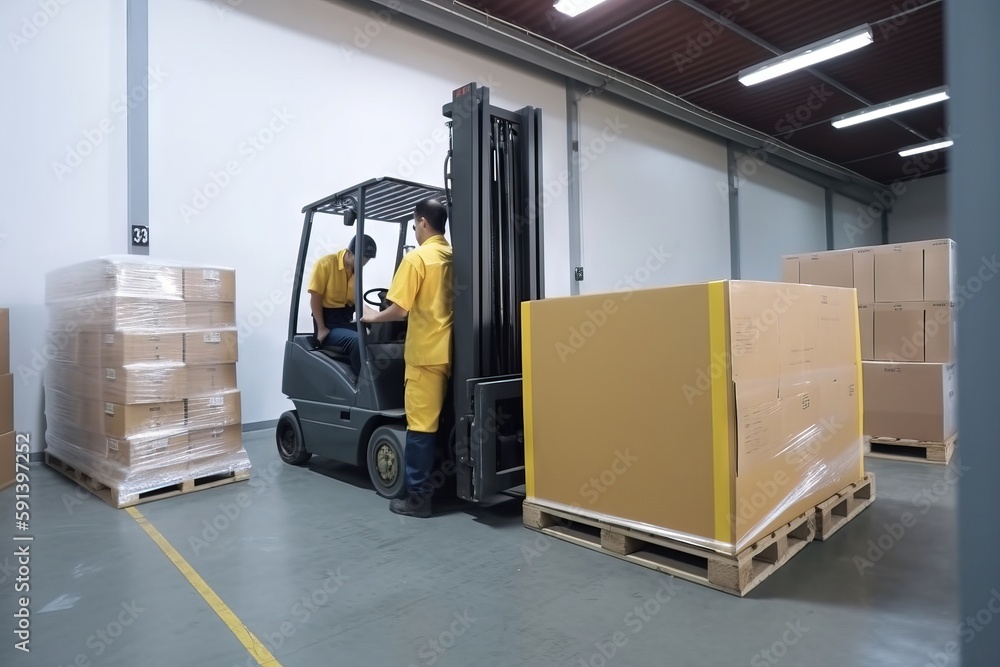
125,421
211,347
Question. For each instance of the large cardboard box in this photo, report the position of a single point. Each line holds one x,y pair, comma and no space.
8,466
208,284
214,410
85,412
117,313
833,268
6,403
210,315
163,451
864,273
213,449
211,347
210,380
915,331
911,401
125,348
124,421
115,276
4,341
143,384
714,432
920,271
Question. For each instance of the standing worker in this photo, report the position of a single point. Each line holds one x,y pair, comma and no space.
421,292
331,299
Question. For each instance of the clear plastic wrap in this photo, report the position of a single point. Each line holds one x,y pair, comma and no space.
141,393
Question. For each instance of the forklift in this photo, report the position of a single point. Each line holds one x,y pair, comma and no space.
493,194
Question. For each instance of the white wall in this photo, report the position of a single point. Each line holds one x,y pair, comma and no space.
853,226
779,214
651,211
921,212
344,110
62,82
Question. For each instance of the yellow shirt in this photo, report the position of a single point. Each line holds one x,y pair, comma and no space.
329,278
423,287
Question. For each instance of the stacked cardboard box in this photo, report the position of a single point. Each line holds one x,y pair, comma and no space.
141,390
717,412
908,329
6,404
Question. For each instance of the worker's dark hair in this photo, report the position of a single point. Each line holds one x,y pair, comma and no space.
369,245
435,213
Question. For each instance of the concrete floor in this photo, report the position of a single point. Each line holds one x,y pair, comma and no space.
315,565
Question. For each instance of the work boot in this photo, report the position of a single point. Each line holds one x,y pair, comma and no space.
413,505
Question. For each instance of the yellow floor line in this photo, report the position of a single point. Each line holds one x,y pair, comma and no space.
247,638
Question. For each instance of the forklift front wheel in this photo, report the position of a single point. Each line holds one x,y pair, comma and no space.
291,447
385,461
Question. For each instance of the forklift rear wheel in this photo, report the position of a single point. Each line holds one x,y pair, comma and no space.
386,462
291,447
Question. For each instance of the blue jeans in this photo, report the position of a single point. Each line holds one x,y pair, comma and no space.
419,455
346,337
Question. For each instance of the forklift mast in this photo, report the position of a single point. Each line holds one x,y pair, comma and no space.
493,181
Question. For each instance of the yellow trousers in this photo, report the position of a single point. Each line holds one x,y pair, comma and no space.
424,391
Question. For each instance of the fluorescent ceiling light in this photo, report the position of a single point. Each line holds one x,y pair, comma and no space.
889,108
807,56
576,7
923,148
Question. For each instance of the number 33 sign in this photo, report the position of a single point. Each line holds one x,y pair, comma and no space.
140,235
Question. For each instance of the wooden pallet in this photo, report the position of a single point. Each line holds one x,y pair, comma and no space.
737,575
835,513
897,449
118,500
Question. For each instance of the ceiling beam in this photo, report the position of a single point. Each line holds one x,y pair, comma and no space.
487,31
764,44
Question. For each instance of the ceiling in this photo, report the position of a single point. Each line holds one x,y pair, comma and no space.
694,49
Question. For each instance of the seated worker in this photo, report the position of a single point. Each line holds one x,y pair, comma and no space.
421,293
331,299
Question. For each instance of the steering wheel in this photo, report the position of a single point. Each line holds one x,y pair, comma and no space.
381,299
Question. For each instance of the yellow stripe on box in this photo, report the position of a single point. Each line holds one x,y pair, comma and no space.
720,412
529,451
247,638
859,383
